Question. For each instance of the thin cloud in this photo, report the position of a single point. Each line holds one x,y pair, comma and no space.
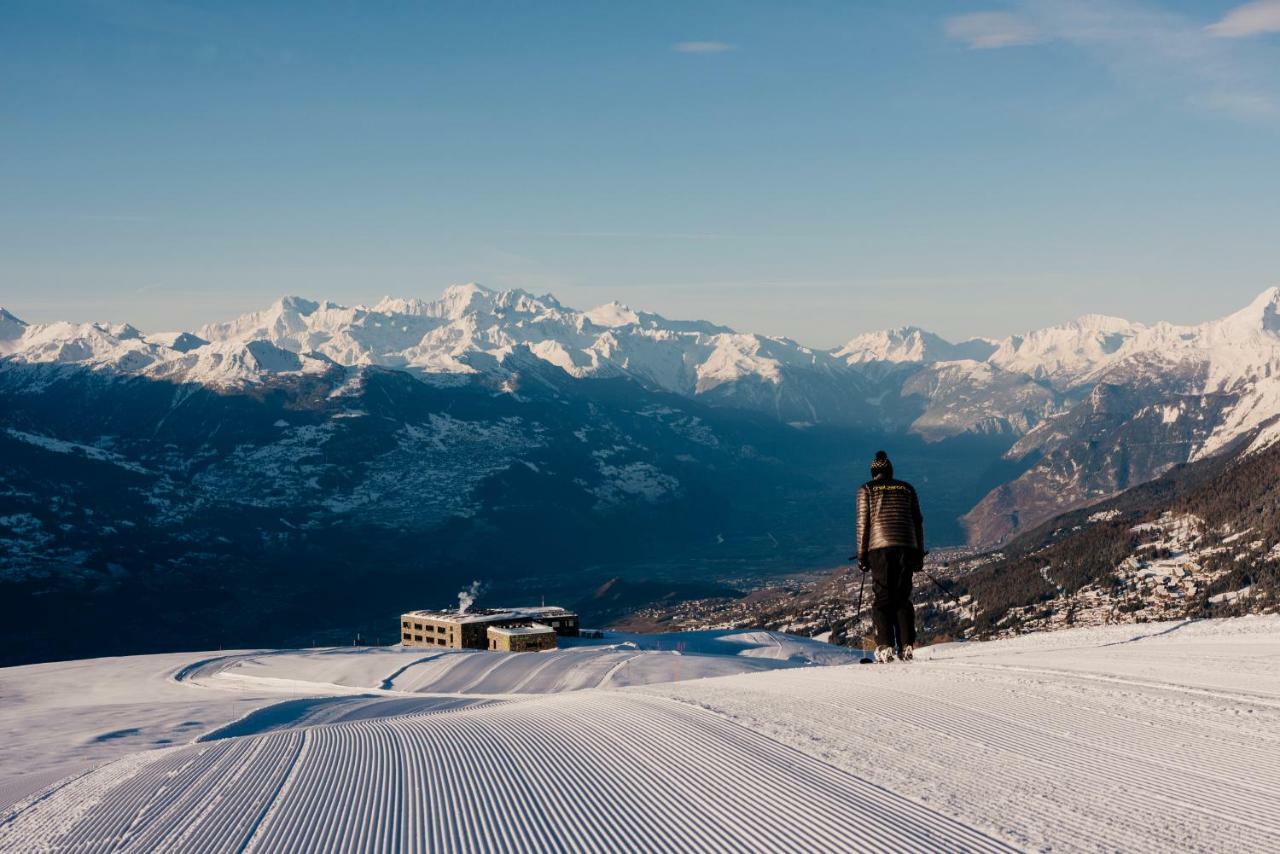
992,30
645,235
703,47
1251,19
1241,104
1145,47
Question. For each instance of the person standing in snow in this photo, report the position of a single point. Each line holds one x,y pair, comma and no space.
891,548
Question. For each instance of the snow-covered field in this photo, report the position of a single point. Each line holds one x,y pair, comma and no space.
1157,737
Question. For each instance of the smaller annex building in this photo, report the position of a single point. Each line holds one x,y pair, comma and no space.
470,629
531,638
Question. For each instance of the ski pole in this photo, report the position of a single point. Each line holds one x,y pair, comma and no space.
861,587
952,596
857,620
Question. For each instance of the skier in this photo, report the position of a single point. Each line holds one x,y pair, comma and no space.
891,548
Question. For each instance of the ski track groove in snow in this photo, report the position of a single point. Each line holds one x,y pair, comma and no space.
582,771
1178,787
1118,777
608,677
1127,740
388,684
1262,698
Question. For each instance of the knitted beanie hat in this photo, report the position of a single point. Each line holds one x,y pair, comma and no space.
881,465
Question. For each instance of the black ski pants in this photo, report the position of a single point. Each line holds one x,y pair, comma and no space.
892,613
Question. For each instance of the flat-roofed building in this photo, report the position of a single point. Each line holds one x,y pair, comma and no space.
469,629
531,638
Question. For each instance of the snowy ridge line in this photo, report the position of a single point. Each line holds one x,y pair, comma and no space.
216,734
423,705
187,673
222,679
388,684
61,446
471,327
472,331
474,674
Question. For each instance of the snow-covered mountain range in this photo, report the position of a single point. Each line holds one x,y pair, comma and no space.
470,330
445,436
1078,398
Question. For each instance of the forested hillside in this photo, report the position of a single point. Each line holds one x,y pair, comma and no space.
1202,540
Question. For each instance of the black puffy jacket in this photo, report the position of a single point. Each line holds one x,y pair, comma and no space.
888,515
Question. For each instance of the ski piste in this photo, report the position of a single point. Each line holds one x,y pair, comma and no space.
1167,744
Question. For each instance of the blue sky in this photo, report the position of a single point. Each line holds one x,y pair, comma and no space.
812,169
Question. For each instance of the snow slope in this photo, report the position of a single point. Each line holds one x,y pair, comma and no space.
96,710
624,660
1148,738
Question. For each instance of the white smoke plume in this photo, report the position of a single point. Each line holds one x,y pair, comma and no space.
467,598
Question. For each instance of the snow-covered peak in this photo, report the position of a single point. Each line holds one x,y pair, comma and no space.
287,317
1245,339
910,344
401,305
458,300
1103,323
11,327
1238,355
612,314
181,341
1260,318
472,299
905,344
1067,352
233,363
1227,354
296,305
97,345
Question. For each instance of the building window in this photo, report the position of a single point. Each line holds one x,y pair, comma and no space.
405,624
407,636
417,637
440,629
